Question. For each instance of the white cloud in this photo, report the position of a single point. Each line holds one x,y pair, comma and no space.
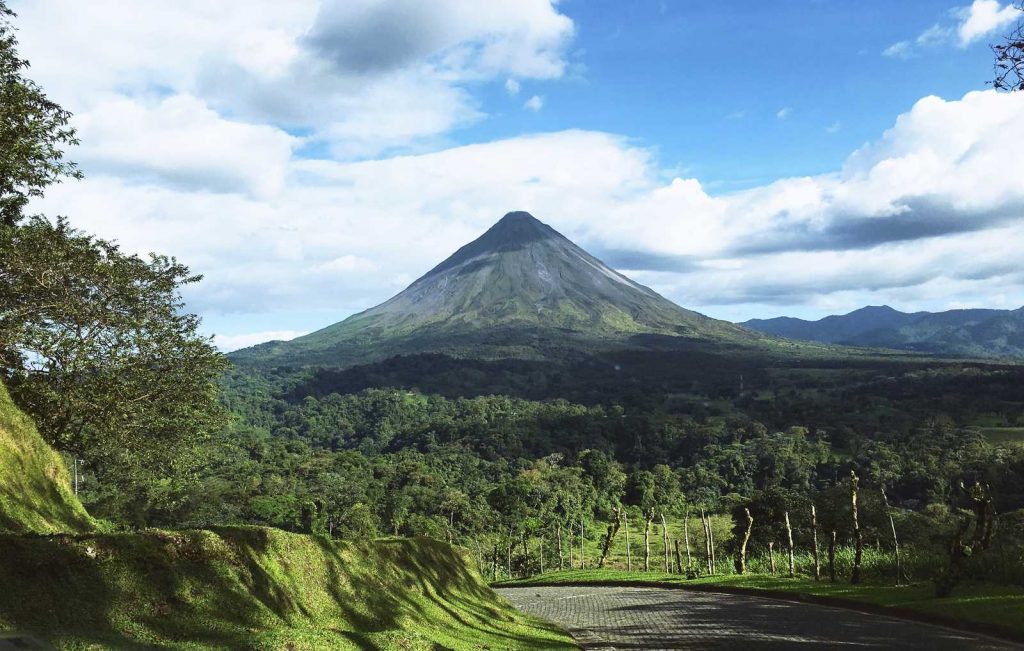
783,112
966,25
929,205
512,86
228,343
984,17
535,103
180,141
357,76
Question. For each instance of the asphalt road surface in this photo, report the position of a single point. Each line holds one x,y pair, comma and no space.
659,618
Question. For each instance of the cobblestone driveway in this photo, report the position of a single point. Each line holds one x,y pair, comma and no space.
657,618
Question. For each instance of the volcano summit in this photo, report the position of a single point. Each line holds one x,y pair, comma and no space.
520,290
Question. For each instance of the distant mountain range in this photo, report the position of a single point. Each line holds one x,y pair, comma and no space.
521,290
959,333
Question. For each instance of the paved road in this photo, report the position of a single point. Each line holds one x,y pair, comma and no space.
658,618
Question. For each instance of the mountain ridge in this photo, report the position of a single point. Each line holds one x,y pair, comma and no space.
990,333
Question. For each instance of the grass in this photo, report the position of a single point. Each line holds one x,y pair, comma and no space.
1003,435
255,588
998,608
35,491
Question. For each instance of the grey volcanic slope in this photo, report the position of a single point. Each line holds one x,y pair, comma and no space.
519,290
960,333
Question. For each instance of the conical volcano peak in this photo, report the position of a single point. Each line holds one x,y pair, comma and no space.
520,289
516,229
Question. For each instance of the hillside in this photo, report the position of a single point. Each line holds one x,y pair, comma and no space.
954,333
255,588
521,290
35,491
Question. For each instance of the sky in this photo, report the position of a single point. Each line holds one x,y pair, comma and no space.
746,159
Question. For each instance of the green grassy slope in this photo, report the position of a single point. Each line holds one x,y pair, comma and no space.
254,588
35,493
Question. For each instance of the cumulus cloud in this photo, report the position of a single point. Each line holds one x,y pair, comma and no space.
966,25
183,142
535,103
928,205
357,77
512,86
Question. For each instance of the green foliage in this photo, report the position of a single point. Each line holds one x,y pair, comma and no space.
254,589
96,347
33,131
35,491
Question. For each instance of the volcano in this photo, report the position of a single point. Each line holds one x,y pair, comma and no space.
520,290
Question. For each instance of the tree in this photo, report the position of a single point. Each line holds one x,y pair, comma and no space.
97,348
1009,63
33,132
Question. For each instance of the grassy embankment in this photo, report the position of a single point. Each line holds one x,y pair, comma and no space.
254,588
35,491
999,609
229,588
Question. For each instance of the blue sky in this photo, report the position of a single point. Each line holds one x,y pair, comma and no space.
745,159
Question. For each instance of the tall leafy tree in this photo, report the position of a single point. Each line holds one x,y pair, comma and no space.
98,349
34,131
95,343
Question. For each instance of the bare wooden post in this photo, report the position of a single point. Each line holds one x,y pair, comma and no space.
686,538
679,558
542,553
629,552
832,557
647,541
858,538
494,564
711,543
583,553
895,540
814,529
558,537
771,557
664,542
741,566
569,542
789,534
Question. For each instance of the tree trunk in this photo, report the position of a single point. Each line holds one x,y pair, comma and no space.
832,557
629,552
771,557
686,539
558,537
814,529
858,538
494,564
542,553
707,542
679,558
583,553
510,558
664,542
792,561
569,544
711,545
647,541
606,548
741,562
895,540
